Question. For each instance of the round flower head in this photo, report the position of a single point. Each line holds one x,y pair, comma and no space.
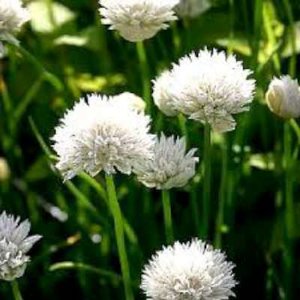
190,271
101,134
170,166
161,94
192,8
209,87
133,101
14,245
137,20
12,16
283,97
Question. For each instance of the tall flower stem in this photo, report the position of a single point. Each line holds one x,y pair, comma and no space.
222,196
52,79
289,211
167,216
16,290
206,181
142,56
119,232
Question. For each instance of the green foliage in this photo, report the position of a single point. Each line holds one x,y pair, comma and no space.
78,257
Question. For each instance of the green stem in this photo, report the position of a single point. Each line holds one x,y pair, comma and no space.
52,79
258,19
16,290
182,126
195,211
28,99
289,211
206,181
288,181
167,216
293,61
119,232
222,197
142,56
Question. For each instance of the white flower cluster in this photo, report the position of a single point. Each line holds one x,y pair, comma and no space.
102,133
170,166
14,245
192,8
12,16
283,97
137,20
209,87
190,271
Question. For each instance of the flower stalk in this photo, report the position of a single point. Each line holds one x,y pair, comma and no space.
52,79
142,56
206,181
119,232
167,216
16,290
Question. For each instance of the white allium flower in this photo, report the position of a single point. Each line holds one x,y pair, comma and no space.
170,166
192,8
137,20
12,16
208,87
14,245
133,101
189,271
101,134
283,97
161,94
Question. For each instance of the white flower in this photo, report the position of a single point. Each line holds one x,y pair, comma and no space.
101,134
170,166
133,101
14,245
12,16
137,20
192,8
209,87
161,94
190,271
283,97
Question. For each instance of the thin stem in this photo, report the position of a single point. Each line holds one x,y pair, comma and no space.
142,56
222,197
119,232
258,19
28,99
289,211
293,61
206,181
16,290
52,79
167,216
182,126
288,181
195,211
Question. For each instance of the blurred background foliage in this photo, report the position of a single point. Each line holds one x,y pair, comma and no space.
67,37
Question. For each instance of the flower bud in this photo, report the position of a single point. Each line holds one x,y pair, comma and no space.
4,170
283,97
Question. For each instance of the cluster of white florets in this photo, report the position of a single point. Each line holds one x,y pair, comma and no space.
14,246
137,20
102,133
192,271
170,165
208,87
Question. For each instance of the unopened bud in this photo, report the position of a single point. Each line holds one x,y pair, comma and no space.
4,170
283,97
132,100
